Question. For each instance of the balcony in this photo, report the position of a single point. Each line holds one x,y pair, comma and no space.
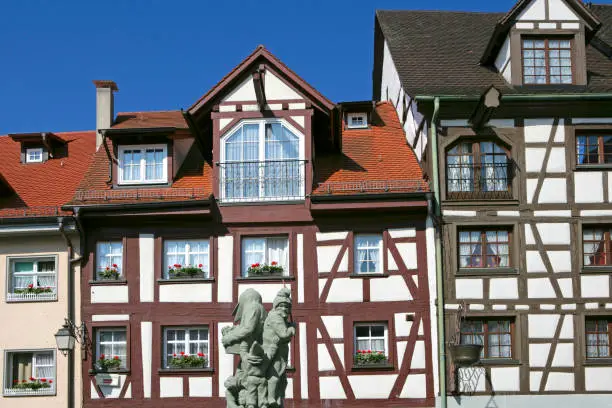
479,181
255,181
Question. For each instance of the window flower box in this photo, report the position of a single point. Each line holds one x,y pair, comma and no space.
178,271
258,269
32,293
108,364
369,358
184,360
33,386
109,273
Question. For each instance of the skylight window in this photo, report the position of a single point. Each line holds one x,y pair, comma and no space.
34,155
357,120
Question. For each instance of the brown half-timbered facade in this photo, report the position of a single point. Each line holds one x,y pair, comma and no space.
513,133
263,183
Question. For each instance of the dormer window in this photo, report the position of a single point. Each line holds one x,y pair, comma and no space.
547,61
34,155
356,120
143,164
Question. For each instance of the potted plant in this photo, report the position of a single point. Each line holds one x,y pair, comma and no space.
369,358
31,289
33,384
463,354
264,269
105,364
184,360
178,271
110,273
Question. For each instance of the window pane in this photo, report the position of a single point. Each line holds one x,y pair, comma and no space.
362,331
368,253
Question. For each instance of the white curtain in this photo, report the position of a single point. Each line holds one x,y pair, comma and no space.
282,172
368,251
253,251
460,172
497,249
44,365
241,169
277,251
465,250
131,165
593,247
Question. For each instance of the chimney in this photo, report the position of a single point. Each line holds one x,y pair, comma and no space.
105,107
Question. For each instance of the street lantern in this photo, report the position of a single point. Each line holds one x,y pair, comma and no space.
65,338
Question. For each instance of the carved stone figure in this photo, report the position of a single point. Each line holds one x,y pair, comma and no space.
262,342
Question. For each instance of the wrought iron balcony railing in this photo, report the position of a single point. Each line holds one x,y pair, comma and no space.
479,181
270,180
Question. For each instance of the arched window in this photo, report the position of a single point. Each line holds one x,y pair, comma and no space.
262,160
477,167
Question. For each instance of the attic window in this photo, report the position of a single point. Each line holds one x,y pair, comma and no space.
34,155
356,120
547,61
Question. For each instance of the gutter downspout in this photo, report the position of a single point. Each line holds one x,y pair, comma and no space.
439,275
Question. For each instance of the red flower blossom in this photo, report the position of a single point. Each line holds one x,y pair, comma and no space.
182,353
116,358
177,265
200,355
169,266
114,265
32,378
274,263
174,355
369,351
23,381
107,268
253,265
200,265
15,381
50,381
102,356
43,380
31,285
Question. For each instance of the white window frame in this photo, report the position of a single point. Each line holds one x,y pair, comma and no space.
34,150
143,148
186,254
11,296
370,337
187,341
99,330
245,267
354,115
261,156
8,367
100,267
357,248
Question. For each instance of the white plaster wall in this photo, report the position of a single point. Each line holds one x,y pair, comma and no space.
110,318
503,288
559,10
408,252
391,264
402,232
243,92
114,391
300,267
588,187
554,234
276,89
226,361
432,284
345,290
418,357
542,326
560,382
468,289
331,388
289,389
223,122
340,351
268,291
303,356
502,62
146,336
392,288
534,262
540,288
109,294
537,130
327,255
598,378
505,379
200,386
363,385
567,328
529,238
553,191
225,268
325,361
170,387
331,236
556,160
414,387
564,356
402,326
538,354
534,157
536,10
147,260
561,261
334,326
567,290
595,286
185,292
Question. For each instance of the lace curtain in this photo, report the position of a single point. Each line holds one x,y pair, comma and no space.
282,172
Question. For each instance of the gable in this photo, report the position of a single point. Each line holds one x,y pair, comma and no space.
548,10
275,90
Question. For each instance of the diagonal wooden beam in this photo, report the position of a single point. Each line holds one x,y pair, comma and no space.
260,89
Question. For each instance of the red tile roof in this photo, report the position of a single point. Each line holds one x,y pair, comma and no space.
41,188
153,119
373,160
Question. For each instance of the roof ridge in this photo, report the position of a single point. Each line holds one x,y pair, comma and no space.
442,11
151,111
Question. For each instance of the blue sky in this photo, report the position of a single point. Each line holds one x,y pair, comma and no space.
166,54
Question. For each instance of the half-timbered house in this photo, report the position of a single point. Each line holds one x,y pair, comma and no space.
510,114
262,183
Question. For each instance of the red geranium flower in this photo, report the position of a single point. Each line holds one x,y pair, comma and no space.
274,263
369,351
23,381
253,265
114,265
50,381
107,268
200,355
31,285
174,355
200,265
15,381
182,353
116,358
102,356
177,265
43,380
32,378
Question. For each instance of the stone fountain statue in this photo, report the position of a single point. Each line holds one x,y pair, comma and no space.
261,340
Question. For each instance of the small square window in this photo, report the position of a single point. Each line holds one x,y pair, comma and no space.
29,373
109,260
356,120
371,343
368,253
598,336
32,279
495,335
186,347
111,348
486,248
265,256
547,61
143,164
34,155
186,259
594,148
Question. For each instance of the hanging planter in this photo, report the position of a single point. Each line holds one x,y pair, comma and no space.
465,354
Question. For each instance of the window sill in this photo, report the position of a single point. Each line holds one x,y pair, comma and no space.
597,269
499,361
368,275
598,362
156,184
264,278
486,271
26,298
590,167
479,200
108,282
119,371
184,280
8,392
366,367
239,202
170,371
